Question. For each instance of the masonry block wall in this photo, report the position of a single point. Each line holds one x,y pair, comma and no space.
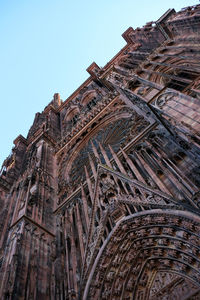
101,199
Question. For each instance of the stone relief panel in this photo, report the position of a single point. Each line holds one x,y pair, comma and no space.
133,252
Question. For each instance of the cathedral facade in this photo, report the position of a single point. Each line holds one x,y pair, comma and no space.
101,200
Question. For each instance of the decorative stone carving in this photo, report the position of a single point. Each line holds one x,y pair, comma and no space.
101,201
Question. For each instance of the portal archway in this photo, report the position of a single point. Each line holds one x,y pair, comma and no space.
142,246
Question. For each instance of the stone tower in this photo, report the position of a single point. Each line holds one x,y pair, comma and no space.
101,200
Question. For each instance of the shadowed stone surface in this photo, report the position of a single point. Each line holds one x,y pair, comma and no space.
101,200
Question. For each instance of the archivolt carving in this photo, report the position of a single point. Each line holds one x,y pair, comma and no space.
135,251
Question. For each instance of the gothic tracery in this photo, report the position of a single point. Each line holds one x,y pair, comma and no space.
101,200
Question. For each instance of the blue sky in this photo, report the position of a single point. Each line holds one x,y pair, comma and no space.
46,46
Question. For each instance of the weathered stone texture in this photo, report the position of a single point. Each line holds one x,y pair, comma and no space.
102,199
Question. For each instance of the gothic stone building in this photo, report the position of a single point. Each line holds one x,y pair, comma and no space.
102,199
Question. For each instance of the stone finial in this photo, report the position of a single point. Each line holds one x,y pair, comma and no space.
56,99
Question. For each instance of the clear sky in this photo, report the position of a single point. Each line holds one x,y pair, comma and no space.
46,46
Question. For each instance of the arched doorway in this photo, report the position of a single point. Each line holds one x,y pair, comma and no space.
148,255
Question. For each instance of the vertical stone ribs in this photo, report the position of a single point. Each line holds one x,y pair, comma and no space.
101,200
